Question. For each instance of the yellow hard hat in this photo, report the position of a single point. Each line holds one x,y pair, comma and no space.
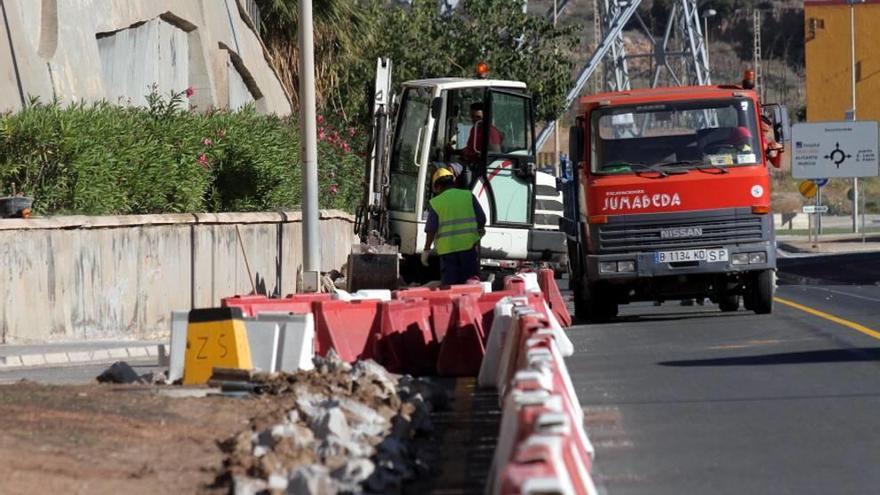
441,173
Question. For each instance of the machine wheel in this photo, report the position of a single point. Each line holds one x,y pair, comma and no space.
762,288
729,302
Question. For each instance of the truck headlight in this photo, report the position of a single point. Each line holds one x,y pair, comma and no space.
607,266
758,257
739,259
626,266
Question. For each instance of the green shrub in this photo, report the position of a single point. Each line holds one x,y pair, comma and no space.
104,159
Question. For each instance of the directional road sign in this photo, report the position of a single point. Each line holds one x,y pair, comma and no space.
815,209
835,149
820,182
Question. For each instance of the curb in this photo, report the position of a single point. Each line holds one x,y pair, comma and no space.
110,354
784,278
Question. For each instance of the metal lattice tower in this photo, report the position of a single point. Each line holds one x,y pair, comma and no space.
759,74
598,82
677,58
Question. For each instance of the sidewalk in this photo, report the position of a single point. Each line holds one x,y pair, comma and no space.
830,243
64,353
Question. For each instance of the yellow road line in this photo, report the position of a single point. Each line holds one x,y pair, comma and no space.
836,319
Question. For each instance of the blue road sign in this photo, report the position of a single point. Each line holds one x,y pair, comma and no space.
820,182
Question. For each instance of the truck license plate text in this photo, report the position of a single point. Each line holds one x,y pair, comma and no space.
709,255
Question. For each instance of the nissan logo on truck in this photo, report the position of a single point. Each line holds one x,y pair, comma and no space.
681,232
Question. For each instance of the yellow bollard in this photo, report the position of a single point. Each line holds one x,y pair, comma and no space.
215,337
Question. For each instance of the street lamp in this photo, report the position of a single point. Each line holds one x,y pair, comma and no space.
706,15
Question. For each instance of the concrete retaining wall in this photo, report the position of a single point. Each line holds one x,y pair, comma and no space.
88,278
92,50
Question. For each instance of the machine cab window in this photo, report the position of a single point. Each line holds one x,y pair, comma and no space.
406,150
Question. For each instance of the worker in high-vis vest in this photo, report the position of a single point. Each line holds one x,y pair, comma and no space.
456,223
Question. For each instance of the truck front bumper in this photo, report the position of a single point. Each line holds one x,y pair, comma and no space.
646,265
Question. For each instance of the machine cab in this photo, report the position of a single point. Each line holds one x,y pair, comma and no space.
484,131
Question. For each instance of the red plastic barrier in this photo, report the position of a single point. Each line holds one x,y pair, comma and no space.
411,293
462,349
405,342
528,326
488,301
443,291
252,305
474,289
547,282
441,317
515,284
346,327
544,464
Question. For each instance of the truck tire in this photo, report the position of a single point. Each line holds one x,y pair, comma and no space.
729,302
761,292
598,306
581,309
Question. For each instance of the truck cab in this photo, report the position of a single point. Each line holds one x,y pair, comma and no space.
672,197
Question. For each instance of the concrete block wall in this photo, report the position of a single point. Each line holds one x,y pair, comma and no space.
91,278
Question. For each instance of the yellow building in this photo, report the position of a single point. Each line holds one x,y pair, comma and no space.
828,60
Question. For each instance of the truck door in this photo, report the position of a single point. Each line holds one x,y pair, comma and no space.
508,155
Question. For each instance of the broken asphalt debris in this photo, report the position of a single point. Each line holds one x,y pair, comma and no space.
343,428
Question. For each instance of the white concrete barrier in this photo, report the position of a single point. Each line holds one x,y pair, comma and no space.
177,351
296,343
488,376
262,339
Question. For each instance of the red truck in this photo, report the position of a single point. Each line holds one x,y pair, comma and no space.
671,198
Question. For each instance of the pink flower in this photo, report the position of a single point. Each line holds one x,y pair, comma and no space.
190,91
345,147
320,119
203,161
321,135
334,189
207,142
352,132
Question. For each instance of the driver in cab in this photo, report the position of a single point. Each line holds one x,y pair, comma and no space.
471,152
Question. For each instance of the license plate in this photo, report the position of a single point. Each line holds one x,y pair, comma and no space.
709,255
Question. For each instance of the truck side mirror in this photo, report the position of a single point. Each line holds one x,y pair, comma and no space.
778,115
576,143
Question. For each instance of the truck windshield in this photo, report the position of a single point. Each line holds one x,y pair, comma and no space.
679,135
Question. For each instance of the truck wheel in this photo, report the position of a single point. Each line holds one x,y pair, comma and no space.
729,302
581,308
602,310
600,307
761,289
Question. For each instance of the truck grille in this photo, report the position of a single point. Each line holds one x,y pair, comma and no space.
643,232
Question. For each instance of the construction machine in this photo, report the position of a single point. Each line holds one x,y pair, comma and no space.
429,125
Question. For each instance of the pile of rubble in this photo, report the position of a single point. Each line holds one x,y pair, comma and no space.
342,429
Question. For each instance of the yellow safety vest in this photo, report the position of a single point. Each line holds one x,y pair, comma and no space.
458,229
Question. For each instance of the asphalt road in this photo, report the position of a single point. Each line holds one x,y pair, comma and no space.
689,400
72,374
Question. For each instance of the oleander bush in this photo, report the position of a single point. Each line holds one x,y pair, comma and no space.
102,159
